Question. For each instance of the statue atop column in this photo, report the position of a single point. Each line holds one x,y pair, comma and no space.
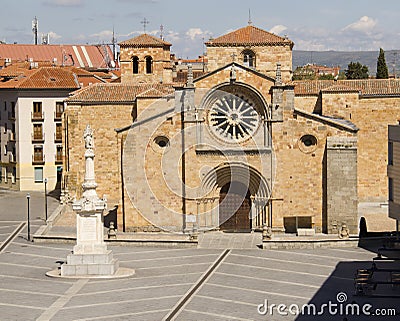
89,200
88,137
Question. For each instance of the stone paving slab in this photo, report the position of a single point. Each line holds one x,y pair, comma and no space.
243,280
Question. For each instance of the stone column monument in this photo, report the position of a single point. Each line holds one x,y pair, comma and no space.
90,257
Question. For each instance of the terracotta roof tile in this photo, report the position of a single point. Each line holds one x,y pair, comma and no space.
117,92
116,80
337,88
144,40
366,87
43,78
181,76
249,35
18,68
85,56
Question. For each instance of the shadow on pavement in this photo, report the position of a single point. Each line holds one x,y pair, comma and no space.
361,290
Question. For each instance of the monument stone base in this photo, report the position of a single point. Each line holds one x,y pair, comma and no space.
90,264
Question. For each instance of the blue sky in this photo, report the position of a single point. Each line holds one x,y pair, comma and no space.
311,24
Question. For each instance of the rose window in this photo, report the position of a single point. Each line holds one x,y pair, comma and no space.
233,118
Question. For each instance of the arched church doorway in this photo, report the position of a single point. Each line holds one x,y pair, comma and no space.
234,207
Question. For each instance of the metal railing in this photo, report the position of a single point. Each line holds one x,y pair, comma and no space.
38,159
37,116
38,137
11,137
57,115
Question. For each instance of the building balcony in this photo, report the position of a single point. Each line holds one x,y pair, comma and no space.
57,116
11,158
38,159
38,116
11,137
11,116
38,138
57,137
58,159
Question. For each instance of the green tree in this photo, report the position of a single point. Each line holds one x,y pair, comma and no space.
303,73
326,77
356,71
381,67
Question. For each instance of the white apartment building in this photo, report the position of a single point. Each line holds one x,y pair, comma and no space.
31,108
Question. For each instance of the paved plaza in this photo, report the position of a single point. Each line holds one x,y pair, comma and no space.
185,284
229,283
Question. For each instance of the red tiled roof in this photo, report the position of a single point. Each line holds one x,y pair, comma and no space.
366,87
85,56
200,59
181,76
144,40
23,70
116,80
19,68
43,78
249,35
120,93
336,88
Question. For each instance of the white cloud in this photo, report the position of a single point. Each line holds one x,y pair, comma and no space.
64,3
54,35
172,36
194,33
102,34
154,33
278,29
365,24
125,36
80,38
135,33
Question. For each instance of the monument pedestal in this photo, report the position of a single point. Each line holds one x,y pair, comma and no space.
90,264
90,257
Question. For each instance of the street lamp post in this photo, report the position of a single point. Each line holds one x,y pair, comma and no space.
45,198
28,197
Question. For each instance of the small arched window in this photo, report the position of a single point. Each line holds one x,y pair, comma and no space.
149,65
249,58
135,67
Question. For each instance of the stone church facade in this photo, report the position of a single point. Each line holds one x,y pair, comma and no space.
237,148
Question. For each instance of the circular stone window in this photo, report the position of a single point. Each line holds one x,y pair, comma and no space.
233,118
308,143
161,141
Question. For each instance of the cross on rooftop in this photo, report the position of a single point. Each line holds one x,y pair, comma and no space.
233,56
250,22
144,22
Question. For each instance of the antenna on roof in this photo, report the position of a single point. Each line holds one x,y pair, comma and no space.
114,41
35,25
45,39
144,23
249,22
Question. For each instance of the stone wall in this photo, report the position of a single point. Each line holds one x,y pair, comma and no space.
298,189
371,115
103,119
267,57
153,181
162,66
341,184
393,171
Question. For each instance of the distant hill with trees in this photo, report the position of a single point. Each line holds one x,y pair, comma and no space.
343,58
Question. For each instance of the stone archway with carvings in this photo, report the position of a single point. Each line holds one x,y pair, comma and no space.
237,198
